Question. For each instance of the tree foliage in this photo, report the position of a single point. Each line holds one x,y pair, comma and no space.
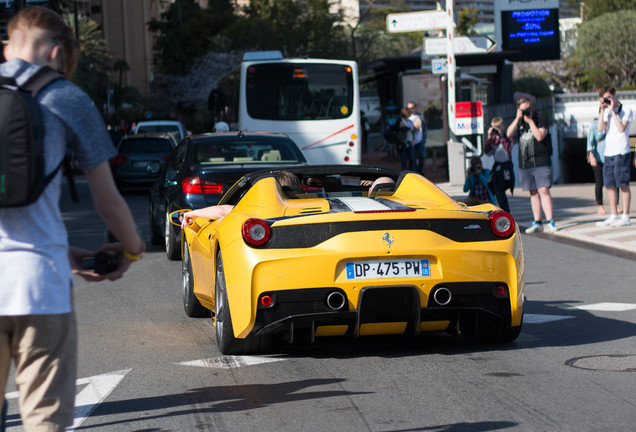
595,8
185,32
468,17
94,59
535,86
605,51
368,38
307,28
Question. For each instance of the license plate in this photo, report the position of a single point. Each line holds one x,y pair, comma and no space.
379,269
142,164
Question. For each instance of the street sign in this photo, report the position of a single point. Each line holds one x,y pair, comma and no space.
416,21
469,118
461,45
439,66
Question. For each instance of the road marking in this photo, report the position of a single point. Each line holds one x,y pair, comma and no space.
228,362
612,307
98,387
540,319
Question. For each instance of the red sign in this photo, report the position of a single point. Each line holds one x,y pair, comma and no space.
468,109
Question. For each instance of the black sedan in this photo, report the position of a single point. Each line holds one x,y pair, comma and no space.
135,152
203,167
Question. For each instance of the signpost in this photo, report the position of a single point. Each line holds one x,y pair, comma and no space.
461,45
464,124
416,21
438,66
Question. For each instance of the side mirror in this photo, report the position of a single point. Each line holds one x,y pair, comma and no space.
175,216
153,167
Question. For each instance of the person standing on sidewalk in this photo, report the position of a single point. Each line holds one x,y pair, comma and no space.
535,166
615,120
38,329
419,136
595,155
405,140
503,176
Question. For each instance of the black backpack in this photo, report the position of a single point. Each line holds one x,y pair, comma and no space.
22,171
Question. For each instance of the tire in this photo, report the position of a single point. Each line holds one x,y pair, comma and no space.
155,237
480,330
227,343
173,243
191,303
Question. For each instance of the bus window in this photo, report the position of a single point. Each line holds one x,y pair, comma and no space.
299,91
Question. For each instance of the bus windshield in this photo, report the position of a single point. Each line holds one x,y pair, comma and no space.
299,91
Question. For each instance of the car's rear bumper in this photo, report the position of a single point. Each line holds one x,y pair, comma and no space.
380,310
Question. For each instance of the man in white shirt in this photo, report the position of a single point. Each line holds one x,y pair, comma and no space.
615,119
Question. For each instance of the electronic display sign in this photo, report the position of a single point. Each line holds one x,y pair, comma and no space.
535,32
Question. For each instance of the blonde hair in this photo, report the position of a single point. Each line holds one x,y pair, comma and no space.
496,122
61,34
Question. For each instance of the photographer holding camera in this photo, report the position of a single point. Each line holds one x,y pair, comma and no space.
535,166
615,120
476,184
503,175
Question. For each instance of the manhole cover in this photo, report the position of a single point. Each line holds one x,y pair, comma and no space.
610,362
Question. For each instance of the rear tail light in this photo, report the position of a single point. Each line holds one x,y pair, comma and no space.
256,232
501,291
266,301
194,185
118,160
501,223
166,158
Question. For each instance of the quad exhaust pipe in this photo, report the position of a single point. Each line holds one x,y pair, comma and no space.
336,300
442,296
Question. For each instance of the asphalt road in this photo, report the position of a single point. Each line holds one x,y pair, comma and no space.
145,366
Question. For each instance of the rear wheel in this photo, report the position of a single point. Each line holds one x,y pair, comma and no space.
173,243
228,344
191,303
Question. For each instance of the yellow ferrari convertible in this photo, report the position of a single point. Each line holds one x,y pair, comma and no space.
352,251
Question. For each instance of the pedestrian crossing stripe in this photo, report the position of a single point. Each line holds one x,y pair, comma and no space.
97,388
607,306
229,362
541,319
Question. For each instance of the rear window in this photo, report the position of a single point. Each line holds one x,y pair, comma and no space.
137,146
158,128
229,151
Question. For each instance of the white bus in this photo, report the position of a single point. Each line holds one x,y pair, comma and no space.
315,102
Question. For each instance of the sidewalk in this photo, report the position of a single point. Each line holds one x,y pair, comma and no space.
574,211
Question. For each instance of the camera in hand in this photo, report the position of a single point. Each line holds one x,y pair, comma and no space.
526,112
103,262
495,132
607,101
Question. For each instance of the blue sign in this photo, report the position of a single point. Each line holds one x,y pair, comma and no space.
533,32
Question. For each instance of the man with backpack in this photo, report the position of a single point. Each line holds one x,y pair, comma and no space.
37,323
